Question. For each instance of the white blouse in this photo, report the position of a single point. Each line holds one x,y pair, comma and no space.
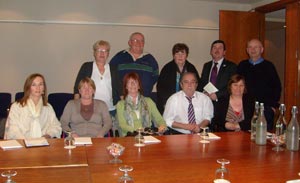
22,122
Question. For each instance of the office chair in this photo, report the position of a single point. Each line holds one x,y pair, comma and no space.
19,95
59,101
5,101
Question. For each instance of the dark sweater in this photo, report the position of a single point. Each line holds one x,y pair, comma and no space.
146,67
262,81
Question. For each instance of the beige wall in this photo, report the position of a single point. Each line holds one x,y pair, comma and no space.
55,37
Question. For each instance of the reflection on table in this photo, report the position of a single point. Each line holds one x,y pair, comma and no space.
178,158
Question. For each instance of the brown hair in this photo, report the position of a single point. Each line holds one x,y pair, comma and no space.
27,86
134,76
178,47
234,79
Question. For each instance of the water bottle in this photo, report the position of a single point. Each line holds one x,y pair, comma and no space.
253,120
292,132
261,127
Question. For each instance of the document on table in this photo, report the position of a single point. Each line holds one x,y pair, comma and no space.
83,140
151,140
36,142
210,88
211,136
10,144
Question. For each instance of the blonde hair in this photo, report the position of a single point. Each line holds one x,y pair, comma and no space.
87,80
101,43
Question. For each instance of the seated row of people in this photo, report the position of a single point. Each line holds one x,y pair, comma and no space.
186,111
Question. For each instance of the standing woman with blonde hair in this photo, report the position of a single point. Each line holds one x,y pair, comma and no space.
32,116
105,76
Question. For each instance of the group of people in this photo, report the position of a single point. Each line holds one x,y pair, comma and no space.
117,94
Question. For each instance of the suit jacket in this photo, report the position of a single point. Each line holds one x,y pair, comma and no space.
227,69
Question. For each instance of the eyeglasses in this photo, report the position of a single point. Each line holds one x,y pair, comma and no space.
102,51
189,82
137,41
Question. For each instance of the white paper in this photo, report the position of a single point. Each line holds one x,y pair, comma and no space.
151,140
213,136
10,144
210,88
293,181
83,140
33,142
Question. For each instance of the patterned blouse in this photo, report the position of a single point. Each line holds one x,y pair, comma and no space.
234,116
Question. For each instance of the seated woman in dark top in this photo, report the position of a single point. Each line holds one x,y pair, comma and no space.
234,112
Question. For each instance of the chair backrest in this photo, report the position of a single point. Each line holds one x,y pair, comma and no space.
5,101
153,96
59,101
19,95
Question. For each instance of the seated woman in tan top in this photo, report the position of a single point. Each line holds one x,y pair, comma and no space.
86,116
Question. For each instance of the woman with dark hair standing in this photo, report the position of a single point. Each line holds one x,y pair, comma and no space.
234,112
169,79
137,111
32,116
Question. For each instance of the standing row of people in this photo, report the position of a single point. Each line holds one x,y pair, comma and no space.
123,87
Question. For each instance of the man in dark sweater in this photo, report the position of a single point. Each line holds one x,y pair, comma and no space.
134,59
262,80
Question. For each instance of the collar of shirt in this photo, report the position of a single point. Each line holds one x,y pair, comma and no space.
260,60
106,67
143,54
218,61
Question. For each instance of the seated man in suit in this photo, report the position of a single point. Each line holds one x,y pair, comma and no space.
217,71
188,110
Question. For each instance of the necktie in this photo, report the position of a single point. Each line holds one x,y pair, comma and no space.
214,74
191,112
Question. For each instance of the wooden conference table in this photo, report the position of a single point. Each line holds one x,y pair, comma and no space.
178,158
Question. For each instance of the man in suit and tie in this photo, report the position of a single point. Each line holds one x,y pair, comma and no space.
217,71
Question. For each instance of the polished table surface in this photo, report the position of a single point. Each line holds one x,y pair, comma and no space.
178,158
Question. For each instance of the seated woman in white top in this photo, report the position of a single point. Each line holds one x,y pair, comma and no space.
32,116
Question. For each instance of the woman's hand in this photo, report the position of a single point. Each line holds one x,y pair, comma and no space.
232,126
47,136
162,129
74,135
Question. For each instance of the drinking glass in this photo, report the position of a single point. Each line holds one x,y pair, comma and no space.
126,178
139,138
222,173
9,174
204,135
69,140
